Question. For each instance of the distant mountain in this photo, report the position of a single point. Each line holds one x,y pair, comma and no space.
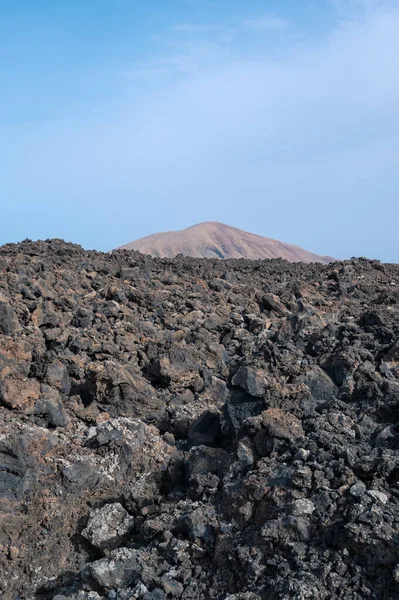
216,240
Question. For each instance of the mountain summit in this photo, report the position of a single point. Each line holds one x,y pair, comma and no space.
216,240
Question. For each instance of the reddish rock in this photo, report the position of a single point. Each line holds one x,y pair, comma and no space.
20,394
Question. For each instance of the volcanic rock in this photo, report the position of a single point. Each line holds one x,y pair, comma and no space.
108,526
197,429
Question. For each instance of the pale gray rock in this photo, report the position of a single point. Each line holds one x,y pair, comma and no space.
108,526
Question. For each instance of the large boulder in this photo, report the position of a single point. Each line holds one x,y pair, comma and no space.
9,323
251,380
120,570
108,526
272,428
20,394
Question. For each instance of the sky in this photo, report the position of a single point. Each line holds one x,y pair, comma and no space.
122,118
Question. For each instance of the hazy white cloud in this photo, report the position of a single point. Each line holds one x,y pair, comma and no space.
192,28
267,23
184,58
204,47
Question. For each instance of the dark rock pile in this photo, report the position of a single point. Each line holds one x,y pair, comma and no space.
197,429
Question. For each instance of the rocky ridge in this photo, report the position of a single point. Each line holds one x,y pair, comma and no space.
197,429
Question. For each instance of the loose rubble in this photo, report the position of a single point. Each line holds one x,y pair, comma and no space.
197,429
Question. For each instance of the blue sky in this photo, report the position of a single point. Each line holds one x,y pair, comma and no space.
120,118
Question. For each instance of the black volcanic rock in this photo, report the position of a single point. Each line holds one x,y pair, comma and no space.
8,319
197,429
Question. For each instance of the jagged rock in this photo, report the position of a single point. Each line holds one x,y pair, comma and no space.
104,434
271,302
20,394
80,476
120,570
281,424
215,322
322,388
251,380
216,429
178,366
272,428
202,459
303,507
8,319
13,470
52,412
338,368
57,376
15,357
202,525
121,391
239,407
108,527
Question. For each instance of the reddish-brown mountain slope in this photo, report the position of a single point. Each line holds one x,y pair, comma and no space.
216,240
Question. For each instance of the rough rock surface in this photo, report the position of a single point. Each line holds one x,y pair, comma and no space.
197,429
108,526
